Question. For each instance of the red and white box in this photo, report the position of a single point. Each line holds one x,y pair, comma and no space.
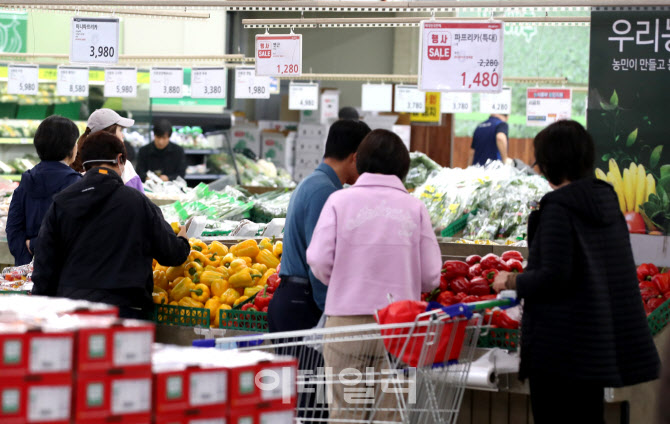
190,390
243,416
119,398
212,417
30,351
45,401
284,415
276,381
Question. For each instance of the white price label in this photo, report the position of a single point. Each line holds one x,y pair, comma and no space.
282,417
377,97
132,348
131,396
121,82
545,106
461,56
456,102
50,354
278,383
23,79
167,83
72,81
48,403
279,55
208,83
303,96
94,40
249,86
208,388
500,103
330,106
408,98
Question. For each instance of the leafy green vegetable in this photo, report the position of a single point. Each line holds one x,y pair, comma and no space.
631,138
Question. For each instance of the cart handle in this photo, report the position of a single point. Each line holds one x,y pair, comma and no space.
468,309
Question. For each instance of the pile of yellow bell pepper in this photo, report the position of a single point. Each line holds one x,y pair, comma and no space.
216,277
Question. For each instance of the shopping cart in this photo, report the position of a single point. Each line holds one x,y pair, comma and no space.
408,372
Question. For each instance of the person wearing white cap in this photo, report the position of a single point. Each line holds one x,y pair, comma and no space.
109,121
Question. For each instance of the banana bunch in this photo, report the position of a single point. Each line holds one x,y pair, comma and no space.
633,188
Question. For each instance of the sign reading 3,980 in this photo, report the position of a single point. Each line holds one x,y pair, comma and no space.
94,40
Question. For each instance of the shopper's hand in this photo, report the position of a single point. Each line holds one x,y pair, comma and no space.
164,178
28,247
182,232
499,283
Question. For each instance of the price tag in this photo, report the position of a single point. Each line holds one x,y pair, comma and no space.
496,102
377,97
456,102
167,83
49,403
249,86
131,396
330,106
461,56
303,96
22,79
207,388
94,40
408,98
545,106
121,82
279,55
208,83
72,81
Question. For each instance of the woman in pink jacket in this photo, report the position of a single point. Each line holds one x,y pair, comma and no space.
371,240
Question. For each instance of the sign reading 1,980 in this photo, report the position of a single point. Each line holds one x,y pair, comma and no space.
166,82
249,86
94,40
461,56
279,55
22,79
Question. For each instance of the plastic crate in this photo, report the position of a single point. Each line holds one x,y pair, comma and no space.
501,338
658,319
458,225
181,315
235,319
14,292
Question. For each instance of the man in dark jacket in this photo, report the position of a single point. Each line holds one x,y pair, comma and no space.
56,145
162,156
99,237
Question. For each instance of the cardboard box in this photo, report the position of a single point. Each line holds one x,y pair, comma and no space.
308,160
300,174
243,416
278,380
246,137
309,145
278,148
313,130
285,415
45,400
113,397
14,350
212,417
191,390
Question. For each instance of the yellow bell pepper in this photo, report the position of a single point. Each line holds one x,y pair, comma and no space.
267,258
213,260
278,249
200,293
246,259
218,248
230,296
174,272
227,260
213,305
207,277
223,307
182,290
160,267
174,303
265,244
154,262
260,268
193,271
198,245
247,248
176,281
191,303
250,291
211,268
219,287
175,227
264,280
160,280
241,279
159,290
224,271
237,265
159,298
240,300
197,257
233,249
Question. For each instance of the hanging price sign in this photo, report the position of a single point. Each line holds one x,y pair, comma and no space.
461,56
167,83
432,112
72,81
121,82
279,55
249,86
456,102
500,103
377,97
22,79
408,98
303,96
208,83
545,106
94,40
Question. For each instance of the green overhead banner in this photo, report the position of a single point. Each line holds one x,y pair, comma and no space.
13,32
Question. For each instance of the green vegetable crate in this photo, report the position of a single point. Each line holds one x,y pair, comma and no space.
658,319
235,319
14,292
181,315
458,225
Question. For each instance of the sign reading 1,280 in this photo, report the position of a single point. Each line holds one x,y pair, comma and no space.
279,55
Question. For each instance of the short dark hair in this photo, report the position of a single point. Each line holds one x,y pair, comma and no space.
101,146
383,152
55,138
162,128
348,112
344,137
564,151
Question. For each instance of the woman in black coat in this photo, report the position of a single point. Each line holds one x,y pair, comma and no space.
584,325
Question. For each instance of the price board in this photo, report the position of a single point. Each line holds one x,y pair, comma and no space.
23,79
94,40
432,113
279,55
121,82
500,103
461,56
166,83
377,97
208,83
408,98
330,106
72,81
250,86
303,96
453,102
545,106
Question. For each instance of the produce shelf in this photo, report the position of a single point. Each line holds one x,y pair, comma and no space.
11,177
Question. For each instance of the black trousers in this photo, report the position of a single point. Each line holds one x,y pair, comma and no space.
293,308
557,400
